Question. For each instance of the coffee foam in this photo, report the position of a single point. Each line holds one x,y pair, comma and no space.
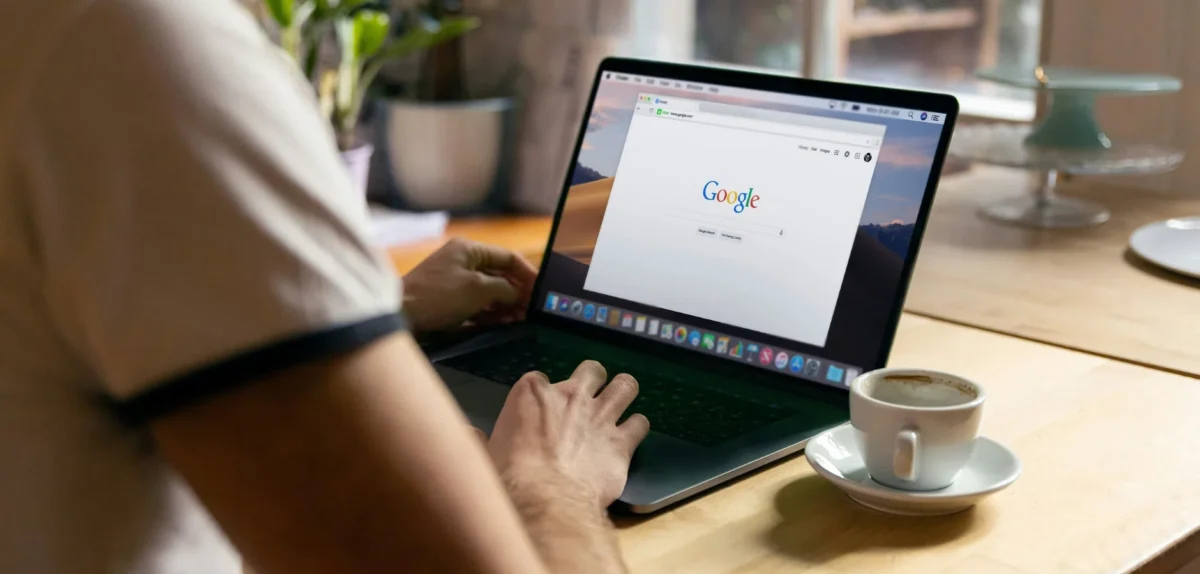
921,390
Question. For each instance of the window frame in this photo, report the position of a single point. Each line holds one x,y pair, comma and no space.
669,27
822,49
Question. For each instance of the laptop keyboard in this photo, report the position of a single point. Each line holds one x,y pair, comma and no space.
685,411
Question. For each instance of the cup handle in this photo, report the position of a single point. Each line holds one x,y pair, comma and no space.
904,460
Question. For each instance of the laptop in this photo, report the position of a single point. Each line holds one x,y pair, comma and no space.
740,243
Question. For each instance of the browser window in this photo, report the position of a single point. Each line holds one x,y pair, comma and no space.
717,209
766,227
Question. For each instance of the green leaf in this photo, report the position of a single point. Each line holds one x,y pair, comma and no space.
356,85
416,39
304,12
425,37
311,60
283,11
370,31
350,69
336,9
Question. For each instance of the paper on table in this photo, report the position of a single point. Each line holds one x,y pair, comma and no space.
390,228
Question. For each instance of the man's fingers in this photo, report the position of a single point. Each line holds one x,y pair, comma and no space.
589,376
530,384
632,432
479,434
497,260
496,317
617,397
496,290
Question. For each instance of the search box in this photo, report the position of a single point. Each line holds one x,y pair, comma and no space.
732,229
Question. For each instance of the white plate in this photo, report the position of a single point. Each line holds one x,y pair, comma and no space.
1173,244
834,455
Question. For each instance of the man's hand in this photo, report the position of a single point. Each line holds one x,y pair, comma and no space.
467,281
563,459
566,434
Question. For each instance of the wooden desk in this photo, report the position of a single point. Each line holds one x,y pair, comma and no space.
1109,481
1076,288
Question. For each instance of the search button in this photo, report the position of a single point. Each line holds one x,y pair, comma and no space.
731,236
706,230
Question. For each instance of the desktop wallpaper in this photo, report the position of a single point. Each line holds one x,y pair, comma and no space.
885,228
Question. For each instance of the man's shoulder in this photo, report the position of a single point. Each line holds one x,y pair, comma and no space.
30,30
35,36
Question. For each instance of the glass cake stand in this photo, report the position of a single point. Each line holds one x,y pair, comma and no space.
1069,140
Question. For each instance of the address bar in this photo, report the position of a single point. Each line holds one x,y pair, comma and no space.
811,133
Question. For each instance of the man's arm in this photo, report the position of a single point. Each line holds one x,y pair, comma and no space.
321,442
558,518
364,464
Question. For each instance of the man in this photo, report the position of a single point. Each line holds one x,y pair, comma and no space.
198,350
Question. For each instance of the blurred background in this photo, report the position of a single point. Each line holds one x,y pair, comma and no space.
929,44
537,57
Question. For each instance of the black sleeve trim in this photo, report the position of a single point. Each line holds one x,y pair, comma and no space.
205,382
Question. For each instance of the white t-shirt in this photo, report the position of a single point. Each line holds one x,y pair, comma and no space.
174,221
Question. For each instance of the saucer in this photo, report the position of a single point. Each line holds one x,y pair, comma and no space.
834,455
1173,244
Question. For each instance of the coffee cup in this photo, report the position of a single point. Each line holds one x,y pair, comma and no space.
916,428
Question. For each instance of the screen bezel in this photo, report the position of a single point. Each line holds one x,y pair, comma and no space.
890,97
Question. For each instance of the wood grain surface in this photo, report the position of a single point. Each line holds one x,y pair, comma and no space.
1108,483
1081,289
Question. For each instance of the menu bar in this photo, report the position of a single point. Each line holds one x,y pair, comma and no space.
848,107
817,128
708,342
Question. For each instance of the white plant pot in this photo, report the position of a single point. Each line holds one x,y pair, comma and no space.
445,155
358,163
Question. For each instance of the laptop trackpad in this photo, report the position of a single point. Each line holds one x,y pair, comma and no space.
479,398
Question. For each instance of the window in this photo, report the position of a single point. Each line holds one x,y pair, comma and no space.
758,33
723,211
927,44
761,34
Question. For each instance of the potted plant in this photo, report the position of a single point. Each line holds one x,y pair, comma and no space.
444,148
360,30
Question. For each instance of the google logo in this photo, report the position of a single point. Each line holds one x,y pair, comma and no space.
739,201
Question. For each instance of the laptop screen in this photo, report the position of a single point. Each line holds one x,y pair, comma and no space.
755,226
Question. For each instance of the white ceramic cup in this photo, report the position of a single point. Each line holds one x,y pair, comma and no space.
916,428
